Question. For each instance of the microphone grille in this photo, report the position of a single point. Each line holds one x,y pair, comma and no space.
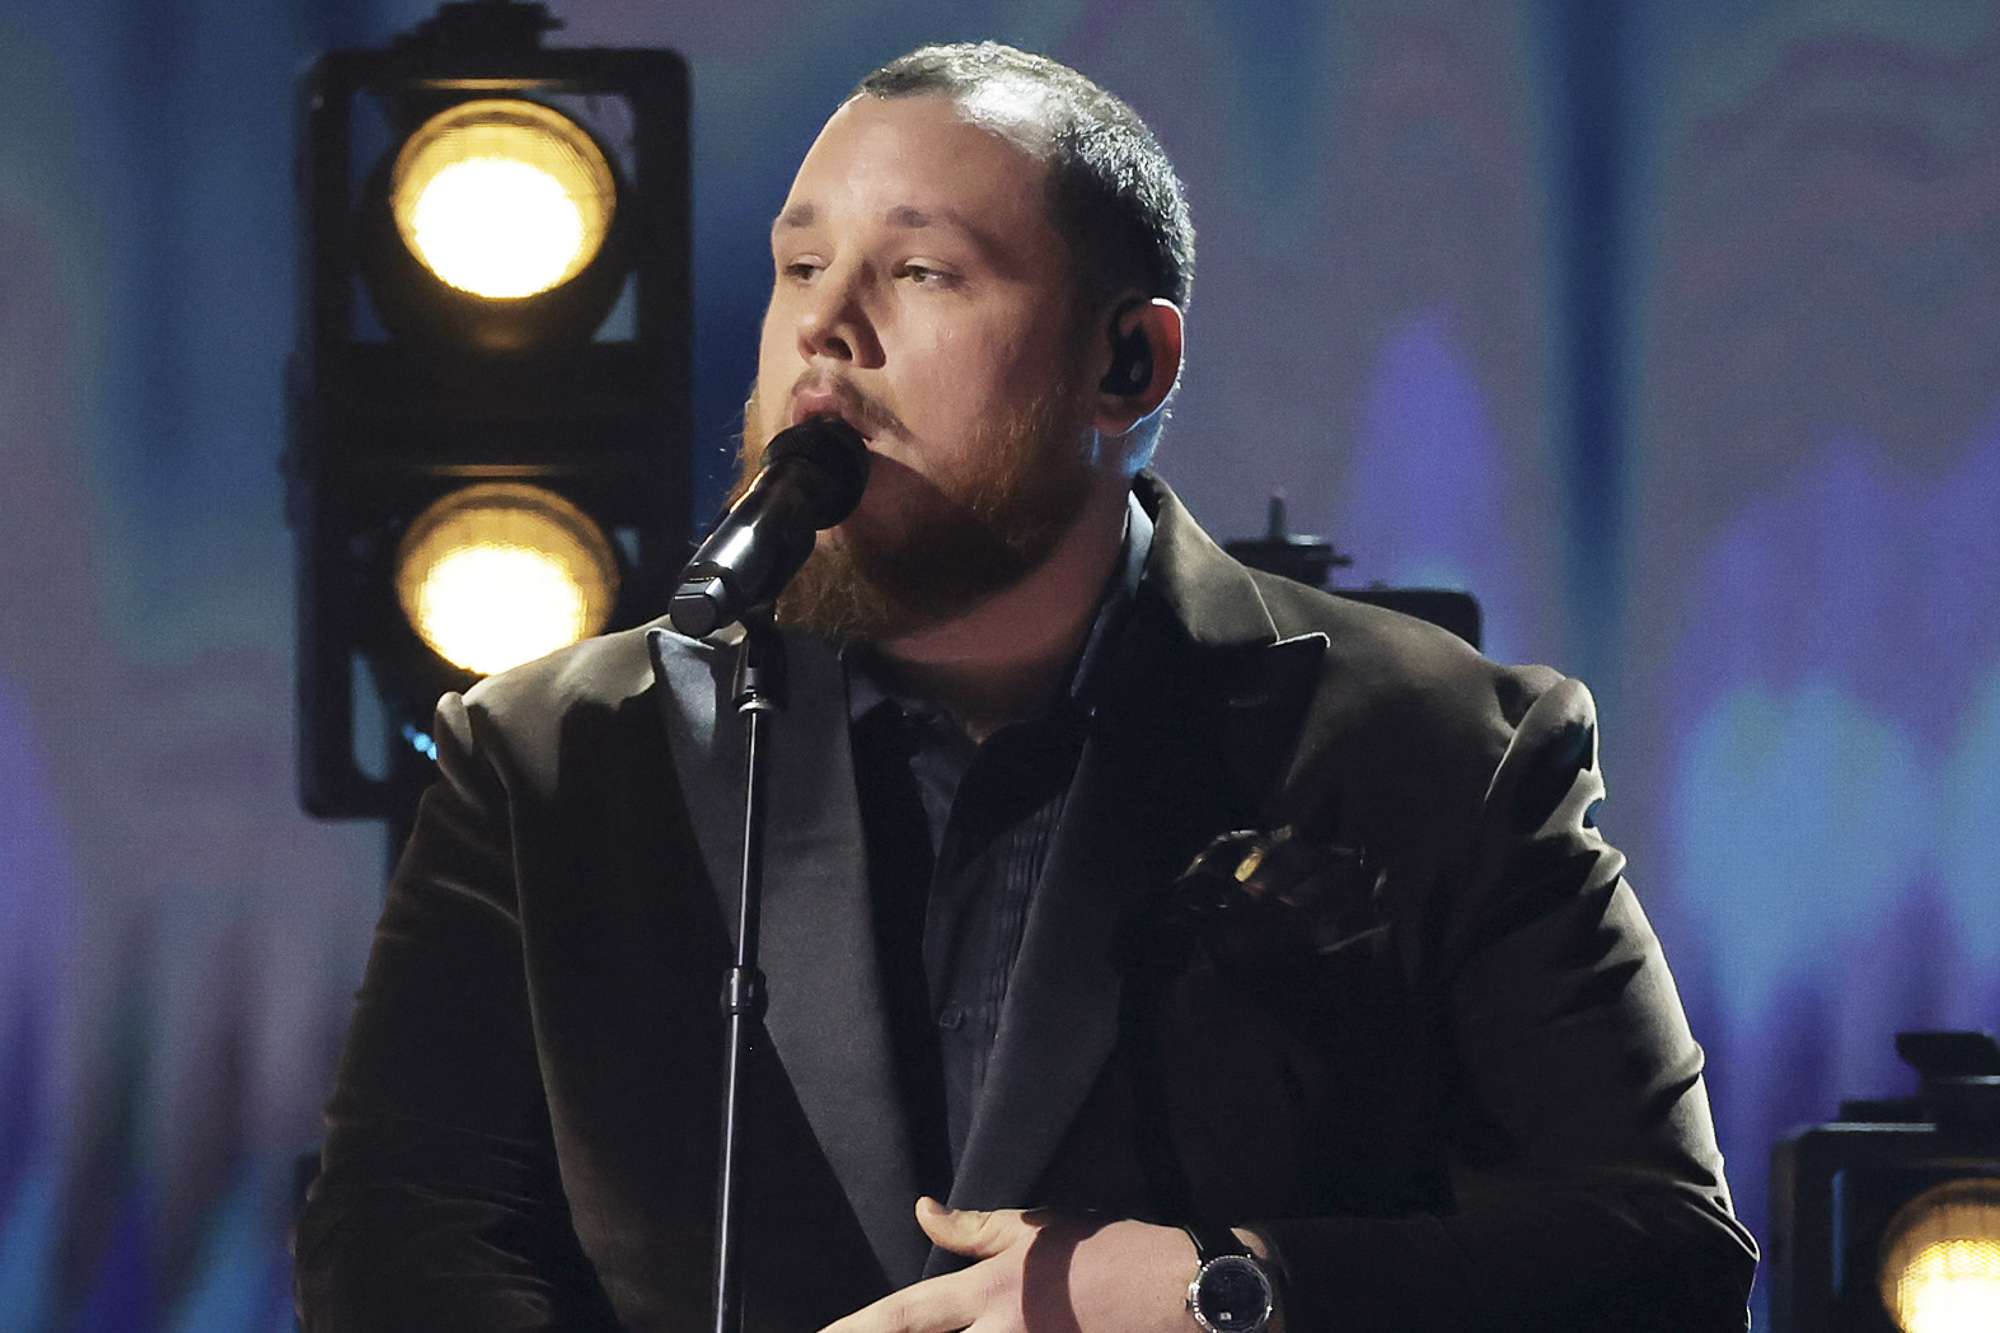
833,449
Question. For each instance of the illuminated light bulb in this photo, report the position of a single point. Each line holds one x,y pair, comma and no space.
499,574
502,198
1941,1260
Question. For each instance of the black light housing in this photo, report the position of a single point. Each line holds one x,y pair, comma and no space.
483,422
1311,560
1887,1220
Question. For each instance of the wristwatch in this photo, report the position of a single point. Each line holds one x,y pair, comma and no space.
1232,1291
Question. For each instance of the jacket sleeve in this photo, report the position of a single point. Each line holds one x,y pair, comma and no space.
1589,1188
438,1203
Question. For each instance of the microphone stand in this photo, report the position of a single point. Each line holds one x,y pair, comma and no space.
759,692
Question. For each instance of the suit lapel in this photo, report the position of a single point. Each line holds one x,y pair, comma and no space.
693,679
827,1019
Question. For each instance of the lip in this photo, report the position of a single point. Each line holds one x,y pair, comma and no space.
825,403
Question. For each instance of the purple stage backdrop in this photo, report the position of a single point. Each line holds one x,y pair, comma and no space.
1671,331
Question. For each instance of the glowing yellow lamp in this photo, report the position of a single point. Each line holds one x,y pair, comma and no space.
499,574
1941,1260
502,198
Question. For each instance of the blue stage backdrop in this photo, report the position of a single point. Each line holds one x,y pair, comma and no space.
1672,331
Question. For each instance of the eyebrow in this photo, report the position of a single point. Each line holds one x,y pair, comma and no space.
903,215
908,215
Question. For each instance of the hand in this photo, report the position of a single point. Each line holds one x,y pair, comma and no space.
1041,1271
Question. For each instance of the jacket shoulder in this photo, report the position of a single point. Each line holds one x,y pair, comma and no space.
1386,660
1407,724
526,710
605,669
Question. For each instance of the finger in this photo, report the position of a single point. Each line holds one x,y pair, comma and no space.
970,1231
935,1305
934,1218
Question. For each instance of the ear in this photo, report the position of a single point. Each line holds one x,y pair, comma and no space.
1142,333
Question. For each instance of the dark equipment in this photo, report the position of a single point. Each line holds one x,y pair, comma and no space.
489,450
1887,1220
1311,559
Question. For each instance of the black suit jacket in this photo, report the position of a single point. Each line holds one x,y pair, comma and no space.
1488,1115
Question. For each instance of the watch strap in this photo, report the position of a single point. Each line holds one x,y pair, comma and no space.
1212,1242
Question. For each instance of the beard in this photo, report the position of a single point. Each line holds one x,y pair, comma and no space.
953,540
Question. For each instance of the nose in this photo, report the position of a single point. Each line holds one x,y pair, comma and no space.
834,323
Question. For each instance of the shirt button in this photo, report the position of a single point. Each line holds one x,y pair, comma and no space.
951,1017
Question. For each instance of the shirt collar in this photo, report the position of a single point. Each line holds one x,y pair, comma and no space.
865,692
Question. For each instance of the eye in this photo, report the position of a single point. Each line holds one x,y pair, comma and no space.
799,270
924,275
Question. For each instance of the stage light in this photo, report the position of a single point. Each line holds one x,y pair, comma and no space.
496,227
496,575
1887,1220
490,400
502,198
1941,1260
1310,560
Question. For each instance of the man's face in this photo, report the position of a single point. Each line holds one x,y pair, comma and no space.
923,293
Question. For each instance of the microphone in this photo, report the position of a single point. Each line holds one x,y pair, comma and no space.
812,478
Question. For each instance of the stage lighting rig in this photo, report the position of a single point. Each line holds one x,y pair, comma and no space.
1888,1219
1311,560
489,400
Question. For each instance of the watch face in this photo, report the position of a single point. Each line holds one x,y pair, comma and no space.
1233,1295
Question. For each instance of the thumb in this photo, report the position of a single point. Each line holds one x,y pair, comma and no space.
969,1231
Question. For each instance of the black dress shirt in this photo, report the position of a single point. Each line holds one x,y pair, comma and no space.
957,834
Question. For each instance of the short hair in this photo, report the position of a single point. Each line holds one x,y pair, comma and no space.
1110,182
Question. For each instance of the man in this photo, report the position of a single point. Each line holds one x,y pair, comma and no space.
1106,879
